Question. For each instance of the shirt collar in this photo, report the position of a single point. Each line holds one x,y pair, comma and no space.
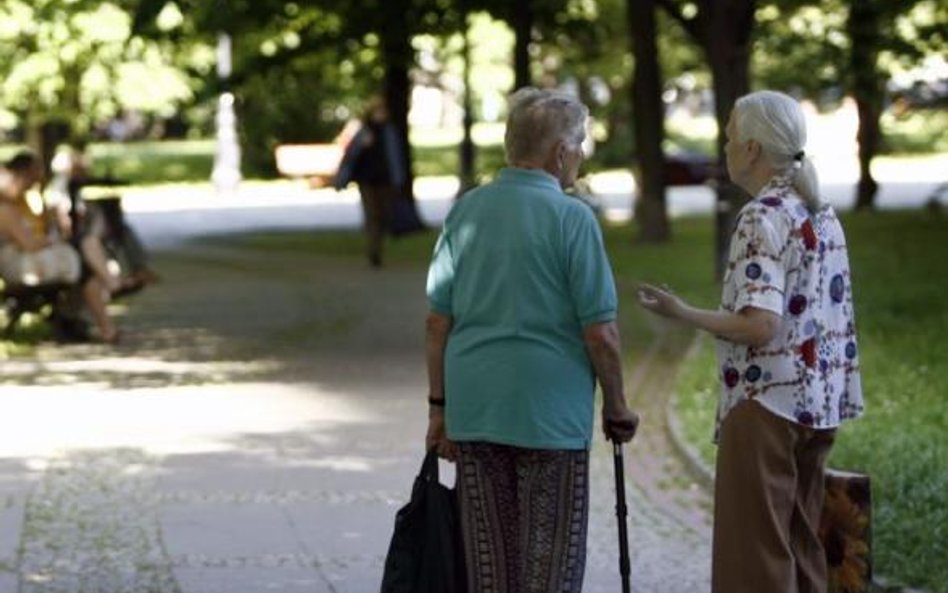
532,176
778,184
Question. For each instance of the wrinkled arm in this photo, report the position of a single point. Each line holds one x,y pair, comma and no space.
437,328
605,351
751,326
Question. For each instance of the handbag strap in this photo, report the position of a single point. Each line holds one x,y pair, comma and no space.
429,467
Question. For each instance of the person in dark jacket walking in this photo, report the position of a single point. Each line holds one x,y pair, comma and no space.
376,162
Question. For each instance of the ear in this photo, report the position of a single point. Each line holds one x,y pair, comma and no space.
754,150
559,154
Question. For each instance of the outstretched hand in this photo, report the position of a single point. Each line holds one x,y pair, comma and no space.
659,300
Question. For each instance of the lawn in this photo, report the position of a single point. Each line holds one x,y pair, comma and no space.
902,441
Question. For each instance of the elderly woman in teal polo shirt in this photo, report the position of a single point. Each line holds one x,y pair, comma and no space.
522,323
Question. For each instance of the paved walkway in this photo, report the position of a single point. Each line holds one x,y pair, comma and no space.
258,430
263,421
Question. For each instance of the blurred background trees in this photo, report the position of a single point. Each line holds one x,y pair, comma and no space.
659,76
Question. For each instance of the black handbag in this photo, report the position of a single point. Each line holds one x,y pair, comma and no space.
425,555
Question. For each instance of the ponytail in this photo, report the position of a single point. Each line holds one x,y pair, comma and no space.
805,181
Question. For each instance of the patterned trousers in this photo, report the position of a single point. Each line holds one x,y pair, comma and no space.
524,514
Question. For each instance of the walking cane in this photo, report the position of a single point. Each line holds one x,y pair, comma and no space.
621,512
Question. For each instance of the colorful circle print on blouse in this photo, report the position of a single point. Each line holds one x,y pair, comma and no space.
731,376
851,350
797,304
771,201
753,271
808,352
837,288
809,235
752,373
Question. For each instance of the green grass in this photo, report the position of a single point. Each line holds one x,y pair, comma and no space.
167,161
902,441
410,250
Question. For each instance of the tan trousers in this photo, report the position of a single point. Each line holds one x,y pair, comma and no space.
768,498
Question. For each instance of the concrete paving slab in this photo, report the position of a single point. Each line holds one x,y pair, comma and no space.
252,580
227,530
12,510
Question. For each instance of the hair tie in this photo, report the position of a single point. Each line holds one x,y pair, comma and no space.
798,160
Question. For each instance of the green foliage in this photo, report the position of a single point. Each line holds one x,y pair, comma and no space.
915,131
77,62
902,319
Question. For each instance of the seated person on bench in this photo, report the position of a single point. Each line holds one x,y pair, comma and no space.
30,255
103,220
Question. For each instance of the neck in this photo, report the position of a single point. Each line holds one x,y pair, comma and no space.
757,179
527,165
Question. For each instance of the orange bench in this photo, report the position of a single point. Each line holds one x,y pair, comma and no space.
316,162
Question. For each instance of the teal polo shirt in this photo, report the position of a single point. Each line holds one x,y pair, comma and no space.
521,269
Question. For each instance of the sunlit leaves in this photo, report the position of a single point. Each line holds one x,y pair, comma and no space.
170,17
78,61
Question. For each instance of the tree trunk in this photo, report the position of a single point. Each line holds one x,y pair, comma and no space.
523,35
398,57
467,151
43,136
863,25
649,130
727,44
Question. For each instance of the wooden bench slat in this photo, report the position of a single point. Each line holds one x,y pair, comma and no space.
305,160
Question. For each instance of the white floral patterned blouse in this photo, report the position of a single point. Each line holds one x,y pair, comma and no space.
792,262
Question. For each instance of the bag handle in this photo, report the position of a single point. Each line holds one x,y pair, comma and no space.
429,467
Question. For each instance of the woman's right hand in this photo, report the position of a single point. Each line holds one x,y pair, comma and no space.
659,300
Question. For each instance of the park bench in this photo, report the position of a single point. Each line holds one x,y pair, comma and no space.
315,162
19,299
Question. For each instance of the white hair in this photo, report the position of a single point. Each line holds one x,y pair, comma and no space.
539,119
776,121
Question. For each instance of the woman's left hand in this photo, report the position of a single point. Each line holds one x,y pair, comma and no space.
437,438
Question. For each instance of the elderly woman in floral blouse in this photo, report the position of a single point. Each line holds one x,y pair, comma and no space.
788,365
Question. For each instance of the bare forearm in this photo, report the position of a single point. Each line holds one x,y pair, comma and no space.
605,352
750,327
437,329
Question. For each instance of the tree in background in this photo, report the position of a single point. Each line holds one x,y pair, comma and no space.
650,211
68,65
876,28
848,47
723,29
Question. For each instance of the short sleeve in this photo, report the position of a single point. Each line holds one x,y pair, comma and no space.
757,269
441,276
591,283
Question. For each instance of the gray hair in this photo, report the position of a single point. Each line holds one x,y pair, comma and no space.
539,119
776,121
